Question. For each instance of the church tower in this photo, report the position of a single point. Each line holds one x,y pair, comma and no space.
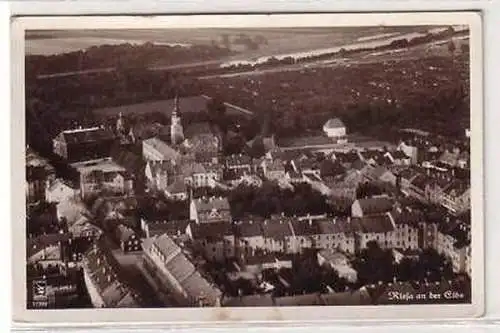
176,131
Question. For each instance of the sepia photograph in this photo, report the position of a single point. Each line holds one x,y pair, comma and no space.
327,163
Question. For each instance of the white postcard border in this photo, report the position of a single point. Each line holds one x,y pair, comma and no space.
211,316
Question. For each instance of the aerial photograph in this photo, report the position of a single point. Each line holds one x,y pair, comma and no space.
258,167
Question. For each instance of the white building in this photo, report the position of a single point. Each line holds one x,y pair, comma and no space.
335,128
102,175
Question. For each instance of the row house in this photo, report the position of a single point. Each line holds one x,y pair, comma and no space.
277,235
210,209
371,206
406,231
216,240
249,235
103,175
104,281
376,228
158,227
172,273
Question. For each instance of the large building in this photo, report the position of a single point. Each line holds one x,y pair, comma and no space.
174,274
102,175
83,144
106,286
154,149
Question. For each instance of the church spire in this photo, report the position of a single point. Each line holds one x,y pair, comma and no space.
176,104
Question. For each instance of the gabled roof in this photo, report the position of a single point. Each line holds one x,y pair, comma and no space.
277,228
375,223
334,226
177,187
85,135
214,231
185,273
305,228
208,204
334,123
251,228
160,146
105,273
171,228
375,205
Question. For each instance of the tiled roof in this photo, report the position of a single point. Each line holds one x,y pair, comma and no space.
214,231
305,228
177,187
166,245
208,204
160,146
185,273
334,123
105,273
180,267
36,244
334,226
375,205
198,287
329,168
375,224
407,215
276,228
171,228
93,134
249,229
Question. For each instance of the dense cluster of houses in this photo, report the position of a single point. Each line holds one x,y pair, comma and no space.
69,218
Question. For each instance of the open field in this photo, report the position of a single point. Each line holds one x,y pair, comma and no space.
278,40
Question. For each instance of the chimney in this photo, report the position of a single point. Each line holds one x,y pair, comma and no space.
310,222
